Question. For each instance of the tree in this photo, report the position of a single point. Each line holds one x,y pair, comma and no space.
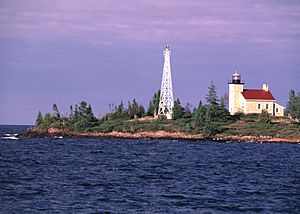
76,113
200,116
298,105
120,108
55,112
211,97
211,128
178,110
150,111
135,108
187,111
154,104
141,111
130,112
224,100
84,117
40,119
200,104
293,105
71,115
47,121
156,100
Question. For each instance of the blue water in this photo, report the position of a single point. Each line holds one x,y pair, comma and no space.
152,176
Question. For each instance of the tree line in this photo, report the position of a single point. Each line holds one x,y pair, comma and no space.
208,118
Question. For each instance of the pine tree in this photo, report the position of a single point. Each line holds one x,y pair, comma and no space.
130,112
298,106
55,112
76,113
200,116
71,112
39,119
292,106
120,108
150,111
156,99
200,104
154,104
211,97
141,111
47,121
135,108
187,111
178,111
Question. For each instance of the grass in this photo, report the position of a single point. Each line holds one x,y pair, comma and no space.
250,125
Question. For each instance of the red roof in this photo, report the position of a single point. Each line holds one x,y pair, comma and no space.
257,94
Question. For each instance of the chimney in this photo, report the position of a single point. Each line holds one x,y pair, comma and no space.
266,87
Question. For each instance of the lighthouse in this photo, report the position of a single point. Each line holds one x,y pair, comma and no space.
236,87
249,101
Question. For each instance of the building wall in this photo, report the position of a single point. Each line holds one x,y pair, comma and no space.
278,110
235,98
252,106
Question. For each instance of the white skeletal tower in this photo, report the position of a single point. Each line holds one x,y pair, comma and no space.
166,102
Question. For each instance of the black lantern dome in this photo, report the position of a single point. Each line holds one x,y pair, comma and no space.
236,78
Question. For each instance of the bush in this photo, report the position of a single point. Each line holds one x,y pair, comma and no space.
264,117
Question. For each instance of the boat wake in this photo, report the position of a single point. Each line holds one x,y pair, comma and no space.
10,136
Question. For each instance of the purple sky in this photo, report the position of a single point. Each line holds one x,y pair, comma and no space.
103,52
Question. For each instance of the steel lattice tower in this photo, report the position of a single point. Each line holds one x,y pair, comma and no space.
166,102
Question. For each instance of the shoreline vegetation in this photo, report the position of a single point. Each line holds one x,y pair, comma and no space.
209,121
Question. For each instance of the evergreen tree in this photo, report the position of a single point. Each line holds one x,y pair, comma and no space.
224,100
71,112
90,115
187,111
76,113
200,116
120,108
298,106
39,119
211,97
178,110
200,104
154,104
156,99
135,108
47,121
130,112
141,111
55,112
150,111
293,106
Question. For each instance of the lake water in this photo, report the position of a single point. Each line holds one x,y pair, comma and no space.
150,176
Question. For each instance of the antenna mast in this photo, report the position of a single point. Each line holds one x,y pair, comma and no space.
166,101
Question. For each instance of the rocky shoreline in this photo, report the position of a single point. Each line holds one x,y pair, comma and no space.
58,133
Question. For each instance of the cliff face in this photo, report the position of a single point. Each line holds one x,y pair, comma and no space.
58,133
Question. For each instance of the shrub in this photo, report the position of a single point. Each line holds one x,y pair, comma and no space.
264,117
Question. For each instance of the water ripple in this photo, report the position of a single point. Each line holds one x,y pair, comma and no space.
148,176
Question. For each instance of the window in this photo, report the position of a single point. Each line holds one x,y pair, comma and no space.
277,110
258,106
267,106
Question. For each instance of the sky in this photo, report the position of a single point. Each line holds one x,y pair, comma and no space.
107,51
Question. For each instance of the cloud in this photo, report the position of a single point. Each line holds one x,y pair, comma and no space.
108,22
